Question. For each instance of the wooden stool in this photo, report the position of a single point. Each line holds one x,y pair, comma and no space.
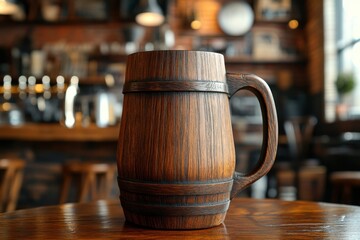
285,180
312,183
343,185
96,180
11,176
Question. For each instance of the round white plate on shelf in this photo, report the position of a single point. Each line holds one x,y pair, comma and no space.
236,18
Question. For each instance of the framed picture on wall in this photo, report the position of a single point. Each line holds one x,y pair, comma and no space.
273,9
266,45
91,9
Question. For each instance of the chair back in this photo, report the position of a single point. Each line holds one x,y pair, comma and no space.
299,132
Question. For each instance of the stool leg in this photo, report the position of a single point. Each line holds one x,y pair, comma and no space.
347,194
4,189
335,193
93,187
101,190
110,181
2,201
65,188
85,187
14,191
105,184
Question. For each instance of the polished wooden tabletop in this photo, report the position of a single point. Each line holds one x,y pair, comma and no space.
246,219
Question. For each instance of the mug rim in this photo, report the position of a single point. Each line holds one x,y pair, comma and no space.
176,50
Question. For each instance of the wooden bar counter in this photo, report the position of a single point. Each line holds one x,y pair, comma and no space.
56,132
246,219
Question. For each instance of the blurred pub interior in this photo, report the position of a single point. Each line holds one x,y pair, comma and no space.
62,65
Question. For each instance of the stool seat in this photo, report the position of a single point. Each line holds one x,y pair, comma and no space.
351,177
95,180
11,177
344,183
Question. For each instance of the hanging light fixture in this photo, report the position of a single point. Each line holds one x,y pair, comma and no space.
7,8
150,14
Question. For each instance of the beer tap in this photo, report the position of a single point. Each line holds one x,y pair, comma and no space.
69,106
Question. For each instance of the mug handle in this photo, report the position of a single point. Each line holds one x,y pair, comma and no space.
262,91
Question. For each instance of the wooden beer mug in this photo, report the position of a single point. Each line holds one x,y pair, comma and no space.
176,153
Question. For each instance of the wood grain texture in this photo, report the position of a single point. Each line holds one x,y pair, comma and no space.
246,219
262,92
170,137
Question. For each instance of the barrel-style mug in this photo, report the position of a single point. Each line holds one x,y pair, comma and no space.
176,154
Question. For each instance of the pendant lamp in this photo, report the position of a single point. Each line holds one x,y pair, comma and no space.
150,14
7,8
